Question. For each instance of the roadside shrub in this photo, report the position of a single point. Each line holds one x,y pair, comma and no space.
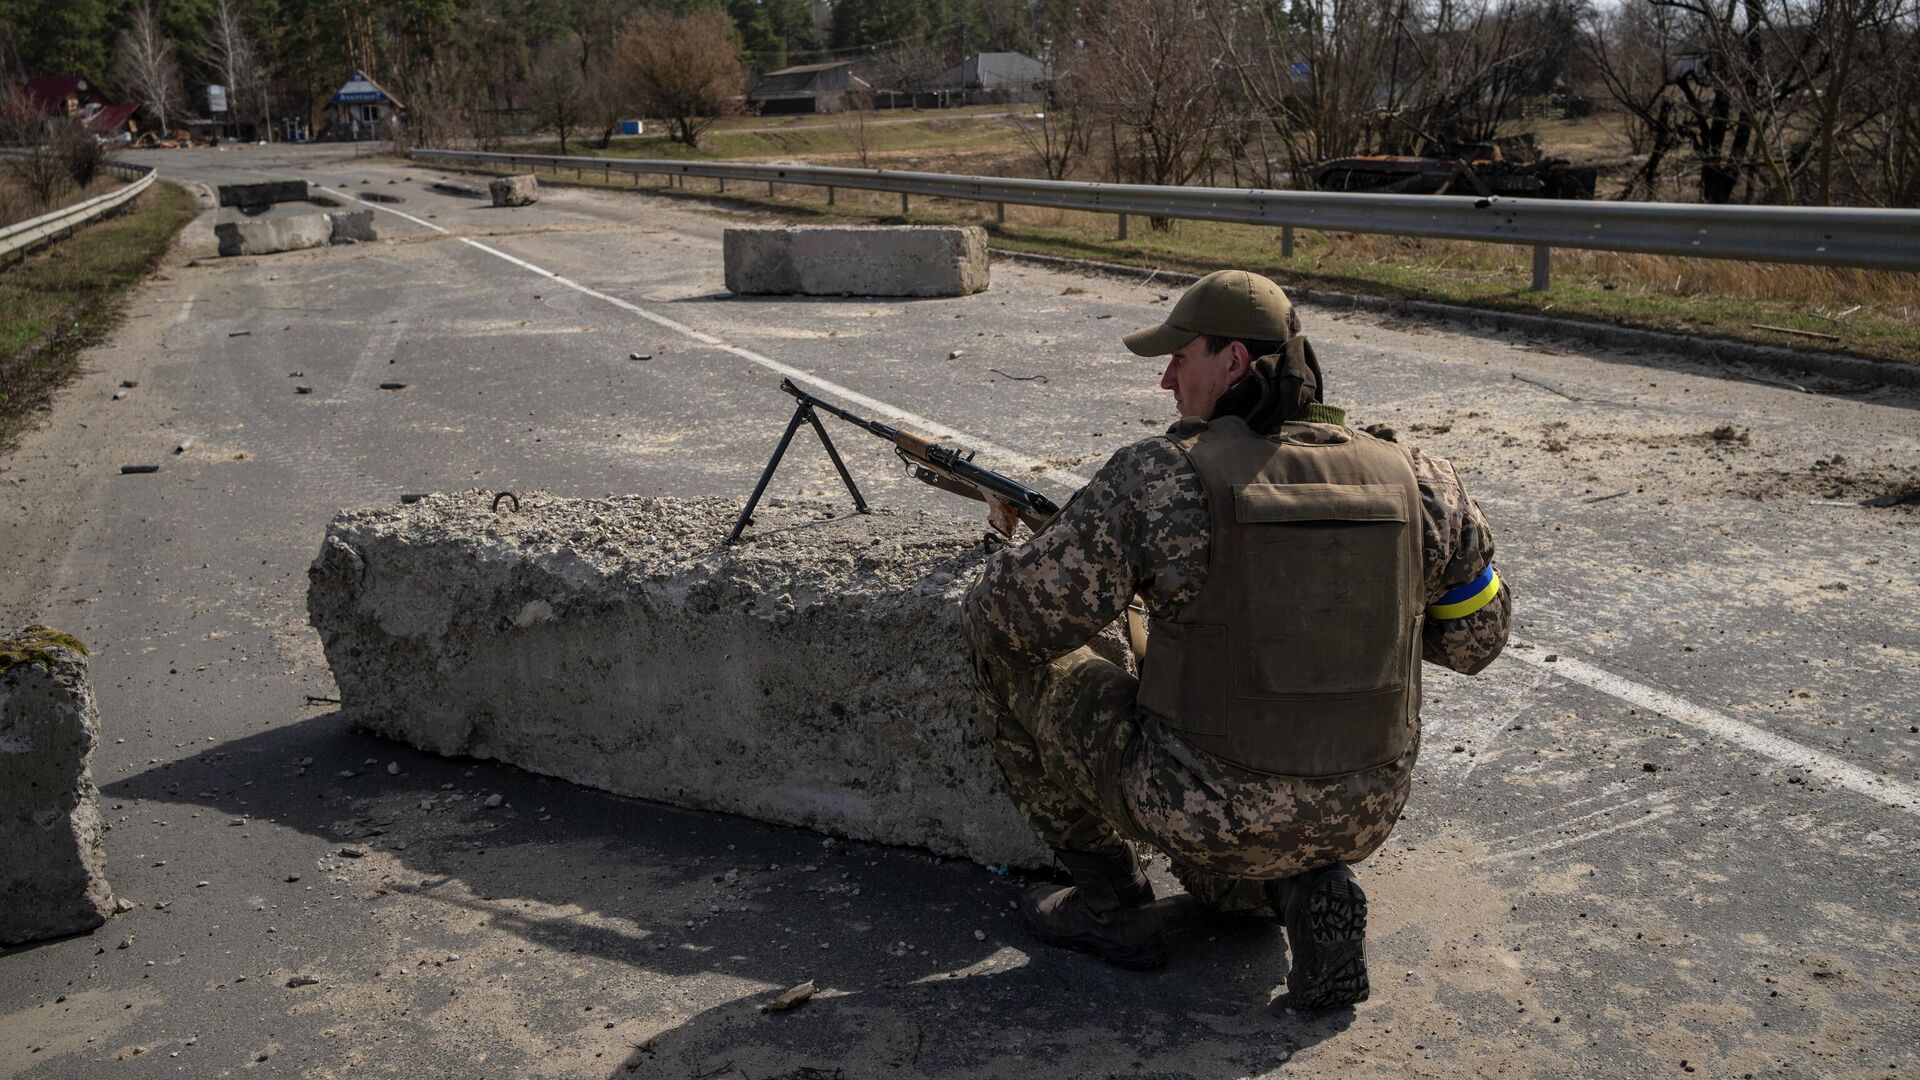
81,154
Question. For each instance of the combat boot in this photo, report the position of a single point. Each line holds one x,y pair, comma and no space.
1107,911
1326,917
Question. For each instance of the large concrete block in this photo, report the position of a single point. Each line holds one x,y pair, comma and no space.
352,227
514,190
266,194
52,864
813,675
265,236
859,261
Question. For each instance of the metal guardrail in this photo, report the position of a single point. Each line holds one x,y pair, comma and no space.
16,240
1820,236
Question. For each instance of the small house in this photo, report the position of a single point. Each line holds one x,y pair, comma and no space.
810,88
362,109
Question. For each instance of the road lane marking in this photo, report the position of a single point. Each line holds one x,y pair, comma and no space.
1899,795
922,424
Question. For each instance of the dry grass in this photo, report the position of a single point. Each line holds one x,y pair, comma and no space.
17,205
1869,313
62,299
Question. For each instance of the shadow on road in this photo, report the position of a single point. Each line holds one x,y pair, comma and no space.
921,963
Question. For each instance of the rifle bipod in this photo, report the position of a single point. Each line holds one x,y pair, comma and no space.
801,412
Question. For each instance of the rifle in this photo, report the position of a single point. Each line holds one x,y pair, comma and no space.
1009,502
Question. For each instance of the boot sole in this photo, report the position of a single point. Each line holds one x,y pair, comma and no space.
1155,955
1336,926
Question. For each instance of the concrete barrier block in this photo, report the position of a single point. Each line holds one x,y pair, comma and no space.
514,190
352,227
266,194
266,236
52,861
857,261
815,674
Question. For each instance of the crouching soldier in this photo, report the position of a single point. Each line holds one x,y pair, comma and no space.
1295,572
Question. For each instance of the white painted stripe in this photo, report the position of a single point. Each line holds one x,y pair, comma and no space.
921,424
1785,751
1901,796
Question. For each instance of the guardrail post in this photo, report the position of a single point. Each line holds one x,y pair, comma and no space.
769,189
1000,212
903,204
1123,226
723,185
1542,267
1286,241
830,196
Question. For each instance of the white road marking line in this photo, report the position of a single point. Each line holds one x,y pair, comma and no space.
1893,792
1648,818
924,425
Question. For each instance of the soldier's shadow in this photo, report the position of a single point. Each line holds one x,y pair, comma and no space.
926,968
1021,1009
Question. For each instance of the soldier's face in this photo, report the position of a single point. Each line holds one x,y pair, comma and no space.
1198,377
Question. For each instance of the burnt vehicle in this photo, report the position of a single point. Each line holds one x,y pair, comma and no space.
1512,168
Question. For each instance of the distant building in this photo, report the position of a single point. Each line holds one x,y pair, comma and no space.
362,109
71,96
1009,72
810,88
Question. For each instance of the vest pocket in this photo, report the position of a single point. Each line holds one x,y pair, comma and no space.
1332,561
1176,681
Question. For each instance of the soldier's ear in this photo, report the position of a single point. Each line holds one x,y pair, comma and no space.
1241,362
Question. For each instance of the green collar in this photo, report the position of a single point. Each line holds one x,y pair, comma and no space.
1316,413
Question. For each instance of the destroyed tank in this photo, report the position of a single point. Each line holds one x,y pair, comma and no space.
1510,168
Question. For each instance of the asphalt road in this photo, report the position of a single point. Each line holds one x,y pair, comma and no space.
1672,831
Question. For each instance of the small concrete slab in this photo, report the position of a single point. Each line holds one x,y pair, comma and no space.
352,227
884,260
265,194
814,674
514,190
52,857
269,235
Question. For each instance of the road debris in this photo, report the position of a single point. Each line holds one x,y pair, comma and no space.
132,469
796,996
302,980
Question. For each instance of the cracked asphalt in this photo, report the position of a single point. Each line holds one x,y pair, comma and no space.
1672,831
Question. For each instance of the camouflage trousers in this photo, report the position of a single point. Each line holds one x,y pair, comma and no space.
1089,771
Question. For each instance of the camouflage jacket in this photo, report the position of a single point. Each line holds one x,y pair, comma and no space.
1141,527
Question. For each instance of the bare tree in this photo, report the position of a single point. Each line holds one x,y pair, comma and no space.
1058,135
559,93
1319,79
148,67
227,48
1795,101
683,68
853,124
1154,83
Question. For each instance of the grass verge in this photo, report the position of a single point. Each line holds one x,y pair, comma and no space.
64,298
1874,314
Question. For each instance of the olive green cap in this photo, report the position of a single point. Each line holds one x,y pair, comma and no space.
1225,303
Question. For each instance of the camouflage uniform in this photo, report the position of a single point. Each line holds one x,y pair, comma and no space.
1090,771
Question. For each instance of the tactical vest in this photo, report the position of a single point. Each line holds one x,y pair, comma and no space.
1301,654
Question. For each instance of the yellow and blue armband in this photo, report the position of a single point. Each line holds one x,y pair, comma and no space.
1463,601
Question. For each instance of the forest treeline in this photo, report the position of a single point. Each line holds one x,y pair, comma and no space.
1786,101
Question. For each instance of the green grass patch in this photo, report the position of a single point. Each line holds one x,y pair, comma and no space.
64,298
